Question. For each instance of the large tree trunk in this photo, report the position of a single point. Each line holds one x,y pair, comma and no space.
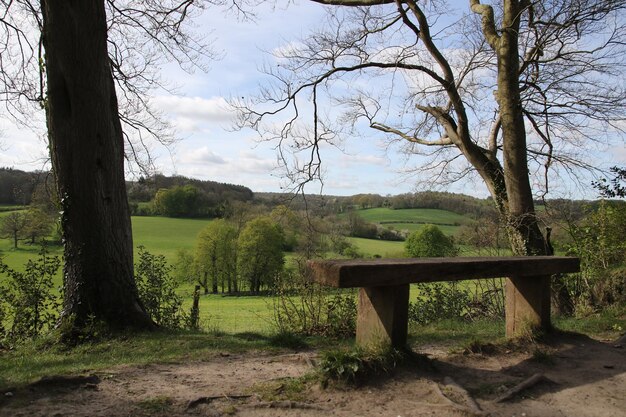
87,150
520,217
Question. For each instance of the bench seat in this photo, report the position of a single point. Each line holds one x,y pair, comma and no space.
384,288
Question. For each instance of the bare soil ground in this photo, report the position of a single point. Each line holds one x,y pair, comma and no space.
582,377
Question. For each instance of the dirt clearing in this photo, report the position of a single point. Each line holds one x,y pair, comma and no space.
575,376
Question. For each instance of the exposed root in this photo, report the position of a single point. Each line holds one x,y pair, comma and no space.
208,400
525,384
287,405
463,409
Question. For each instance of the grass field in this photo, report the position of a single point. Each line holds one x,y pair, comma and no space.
384,248
433,216
414,219
165,236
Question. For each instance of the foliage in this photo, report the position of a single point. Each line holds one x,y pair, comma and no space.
303,307
179,201
358,227
439,301
259,253
38,224
616,187
355,366
216,256
13,225
30,301
599,242
157,290
183,269
430,242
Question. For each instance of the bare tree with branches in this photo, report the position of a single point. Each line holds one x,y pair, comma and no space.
508,91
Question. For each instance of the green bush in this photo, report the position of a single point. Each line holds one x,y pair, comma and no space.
599,242
438,302
430,242
157,290
30,303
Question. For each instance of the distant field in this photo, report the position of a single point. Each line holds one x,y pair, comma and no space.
434,216
414,219
160,235
384,248
164,235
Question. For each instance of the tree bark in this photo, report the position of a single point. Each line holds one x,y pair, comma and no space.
87,151
520,217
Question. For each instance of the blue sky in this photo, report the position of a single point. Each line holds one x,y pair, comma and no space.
210,149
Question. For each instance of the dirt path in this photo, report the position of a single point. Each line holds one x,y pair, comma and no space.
583,378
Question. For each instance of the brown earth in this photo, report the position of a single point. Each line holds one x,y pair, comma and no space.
581,377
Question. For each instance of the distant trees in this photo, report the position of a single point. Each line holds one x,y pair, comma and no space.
13,226
216,257
180,201
39,224
430,242
259,253
179,196
233,259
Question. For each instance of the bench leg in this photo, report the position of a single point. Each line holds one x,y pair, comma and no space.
527,305
382,317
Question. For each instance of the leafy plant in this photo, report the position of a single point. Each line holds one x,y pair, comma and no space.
30,303
598,241
357,365
439,301
157,290
430,242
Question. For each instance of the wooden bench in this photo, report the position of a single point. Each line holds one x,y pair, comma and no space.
384,288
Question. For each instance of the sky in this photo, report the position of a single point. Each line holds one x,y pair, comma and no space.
208,146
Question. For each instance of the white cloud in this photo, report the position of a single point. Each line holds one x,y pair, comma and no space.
351,160
198,109
201,156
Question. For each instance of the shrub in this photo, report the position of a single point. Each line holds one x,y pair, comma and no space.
306,308
598,241
430,242
438,302
30,303
157,290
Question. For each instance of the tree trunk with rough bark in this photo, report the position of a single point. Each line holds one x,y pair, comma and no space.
520,216
87,151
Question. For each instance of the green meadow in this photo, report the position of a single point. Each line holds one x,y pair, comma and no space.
414,219
224,313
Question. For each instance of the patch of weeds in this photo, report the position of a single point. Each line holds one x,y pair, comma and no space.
357,365
543,357
479,347
528,333
287,340
293,389
158,404
215,331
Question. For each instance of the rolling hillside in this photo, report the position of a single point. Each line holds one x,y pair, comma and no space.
414,219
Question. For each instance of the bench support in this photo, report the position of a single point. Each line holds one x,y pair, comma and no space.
382,317
527,305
